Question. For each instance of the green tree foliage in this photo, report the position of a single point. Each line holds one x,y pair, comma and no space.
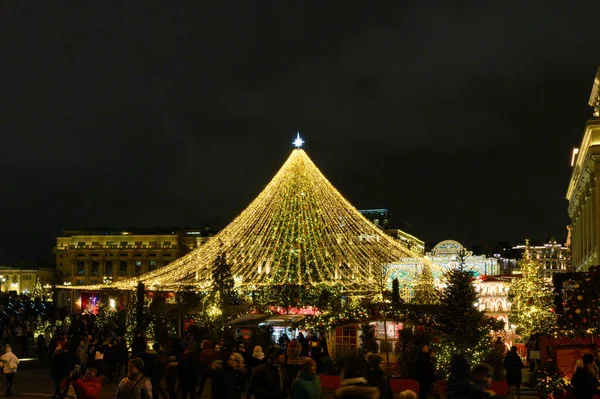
531,308
425,292
460,320
395,292
368,343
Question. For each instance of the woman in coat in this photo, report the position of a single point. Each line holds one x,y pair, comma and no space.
10,362
513,366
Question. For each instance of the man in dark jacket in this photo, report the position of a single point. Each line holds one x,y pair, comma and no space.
207,357
270,380
584,382
513,366
426,372
188,372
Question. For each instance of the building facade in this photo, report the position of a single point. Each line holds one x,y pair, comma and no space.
492,292
86,257
583,192
384,219
554,256
23,280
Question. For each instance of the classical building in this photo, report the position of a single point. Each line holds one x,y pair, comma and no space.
22,280
553,255
445,255
100,256
383,219
492,294
583,192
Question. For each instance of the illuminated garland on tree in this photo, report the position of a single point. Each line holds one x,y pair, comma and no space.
425,292
299,230
531,308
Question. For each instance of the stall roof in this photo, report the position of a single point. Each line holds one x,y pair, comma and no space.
254,319
248,320
284,319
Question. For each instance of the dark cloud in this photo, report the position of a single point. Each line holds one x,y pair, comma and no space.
458,117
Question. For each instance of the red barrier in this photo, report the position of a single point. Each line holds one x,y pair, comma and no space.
399,385
330,381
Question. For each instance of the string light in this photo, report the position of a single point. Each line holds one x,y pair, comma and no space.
531,298
299,230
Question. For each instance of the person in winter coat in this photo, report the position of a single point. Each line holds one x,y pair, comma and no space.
426,372
223,380
135,385
257,358
513,366
293,356
308,384
584,382
240,372
82,353
172,377
460,385
354,384
153,369
207,357
270,379
10,362
138,345
59,368
88,387
377,378
188,372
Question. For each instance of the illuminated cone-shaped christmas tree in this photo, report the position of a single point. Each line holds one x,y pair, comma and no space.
299,230
531,306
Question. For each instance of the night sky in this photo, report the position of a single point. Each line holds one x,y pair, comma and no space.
459,118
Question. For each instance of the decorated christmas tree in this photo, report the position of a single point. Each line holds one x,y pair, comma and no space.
425,292
460,320
299,230
581,304
531,308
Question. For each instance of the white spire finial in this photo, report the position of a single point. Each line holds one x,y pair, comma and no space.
298,142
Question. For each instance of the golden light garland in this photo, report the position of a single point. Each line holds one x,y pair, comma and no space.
299,230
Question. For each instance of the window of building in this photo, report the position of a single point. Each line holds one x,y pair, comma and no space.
80,268
95,255
138,244
152,255
78,282
167,243
94,268
124,243
123,254
152,264
109,254
96,243
80,255
345,336
122,268
108,268
81,244
93,282
138,267
166,255
153,244
110,243
137,254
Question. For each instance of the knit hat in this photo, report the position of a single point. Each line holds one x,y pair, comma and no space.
258,353
139,363
307,363
274,351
